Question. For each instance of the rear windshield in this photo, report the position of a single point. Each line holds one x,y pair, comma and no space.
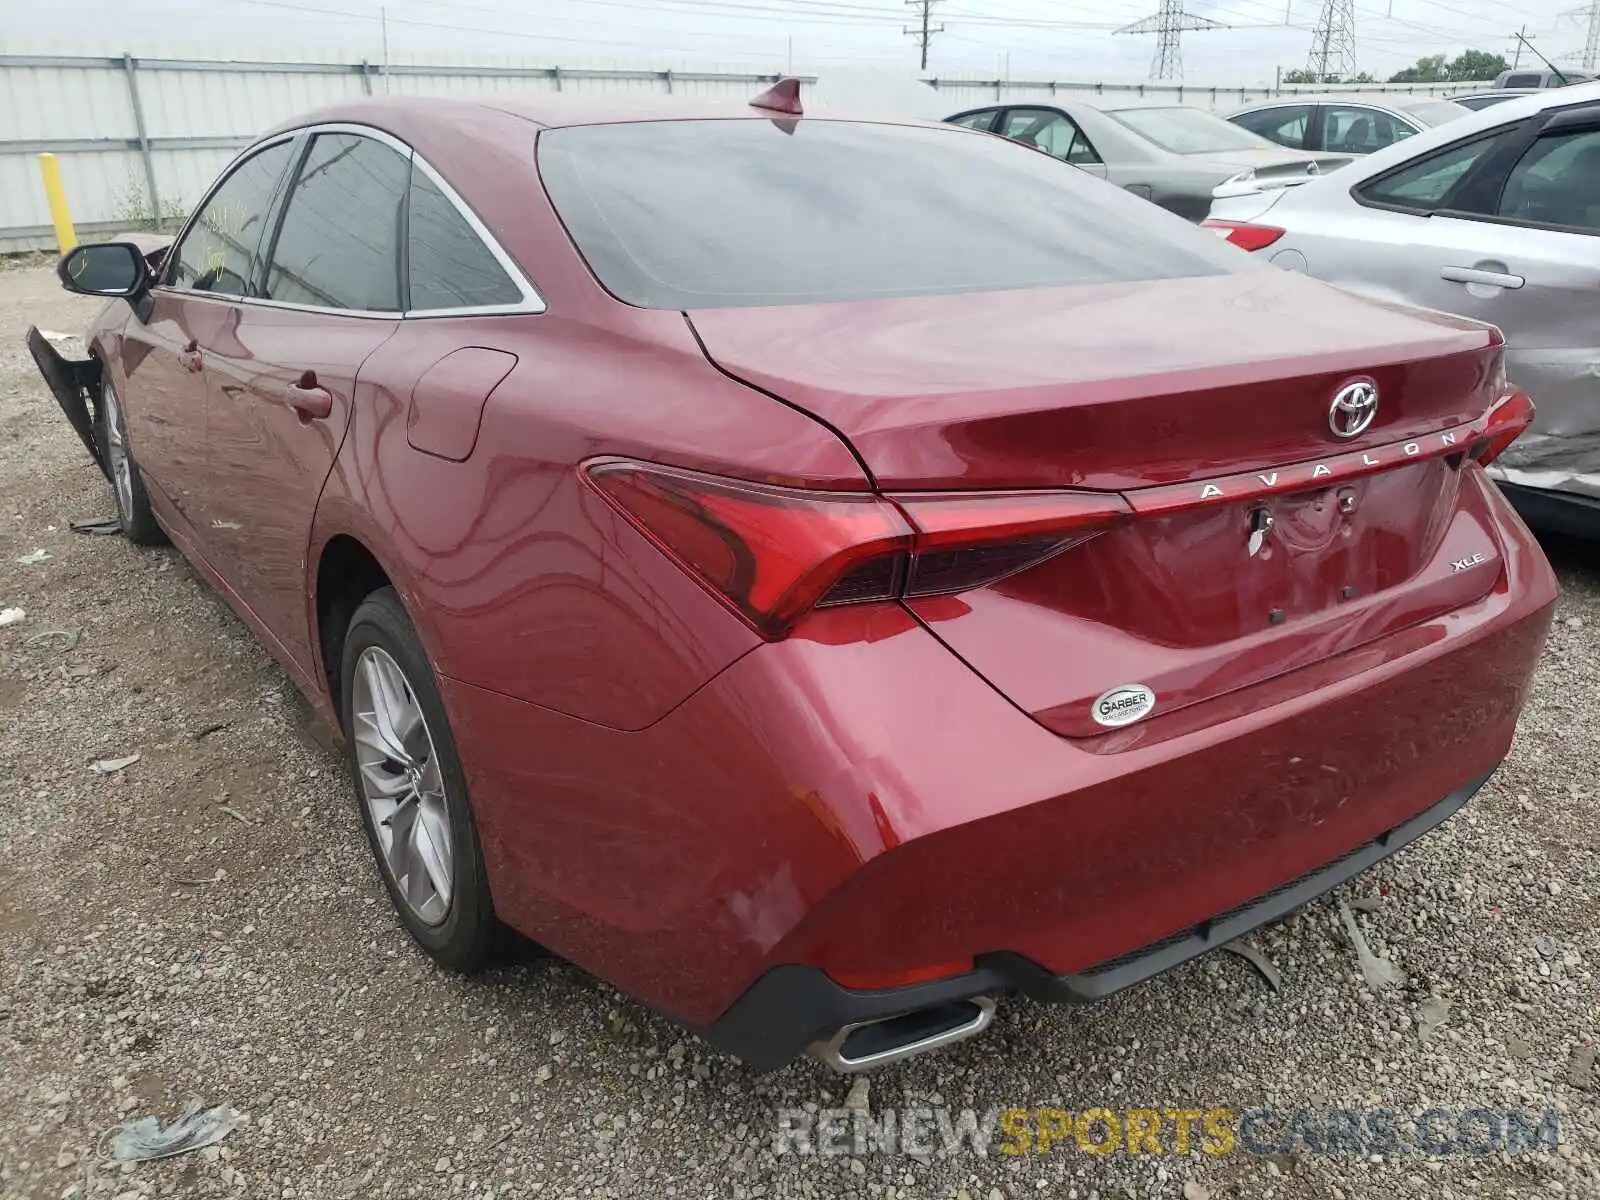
1436,112
737,213
1187,130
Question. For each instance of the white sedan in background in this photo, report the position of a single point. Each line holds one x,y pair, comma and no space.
1495,216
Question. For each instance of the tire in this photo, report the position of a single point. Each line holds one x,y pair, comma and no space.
138,522
410,787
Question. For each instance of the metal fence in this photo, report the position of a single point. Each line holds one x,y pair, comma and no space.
140,138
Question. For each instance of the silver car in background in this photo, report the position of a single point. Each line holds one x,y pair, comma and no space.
1495,216
1347,122
1172,154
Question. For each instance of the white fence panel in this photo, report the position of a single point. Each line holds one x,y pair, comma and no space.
196,113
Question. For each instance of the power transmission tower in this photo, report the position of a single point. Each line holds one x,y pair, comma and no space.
1333,43
924,35
1591,45
1168,25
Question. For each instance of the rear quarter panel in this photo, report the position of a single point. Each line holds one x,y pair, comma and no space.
520,578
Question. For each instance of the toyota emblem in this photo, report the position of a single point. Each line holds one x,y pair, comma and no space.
1353,409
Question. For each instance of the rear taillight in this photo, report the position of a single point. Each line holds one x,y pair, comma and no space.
1244,235
770,553
773,553
964,541
1507,421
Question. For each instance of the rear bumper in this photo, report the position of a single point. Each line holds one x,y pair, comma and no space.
70,381
792,1007
855,802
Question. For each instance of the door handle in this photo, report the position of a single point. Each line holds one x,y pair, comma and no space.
1500,279
191,358
312,401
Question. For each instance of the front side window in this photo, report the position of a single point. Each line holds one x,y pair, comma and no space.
217,252
1285,124
339,244
1051,132
1426,185
450,265
732,213
1557,182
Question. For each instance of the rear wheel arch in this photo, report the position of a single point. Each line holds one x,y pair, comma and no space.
347,573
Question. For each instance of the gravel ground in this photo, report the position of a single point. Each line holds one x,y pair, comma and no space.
205,924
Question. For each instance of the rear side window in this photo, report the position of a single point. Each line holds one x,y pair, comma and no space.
708,214
1360,130
1523,81
216,254
1425,185
450,265
1557,182
1285,125
1051,132
979,120
339,244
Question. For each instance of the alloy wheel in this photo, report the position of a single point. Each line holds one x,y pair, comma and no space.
402,786
117,454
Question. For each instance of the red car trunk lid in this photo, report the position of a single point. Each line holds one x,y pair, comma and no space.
1109,386
1206,404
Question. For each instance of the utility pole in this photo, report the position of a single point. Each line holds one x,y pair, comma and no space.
1520,36
924,35
1168,24
1333,43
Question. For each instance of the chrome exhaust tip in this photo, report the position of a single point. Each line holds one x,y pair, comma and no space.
869,1044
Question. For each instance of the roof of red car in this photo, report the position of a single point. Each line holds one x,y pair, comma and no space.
553,109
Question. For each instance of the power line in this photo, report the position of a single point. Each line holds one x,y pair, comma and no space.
1168,24
1333,43
1495,11
371,16
924,35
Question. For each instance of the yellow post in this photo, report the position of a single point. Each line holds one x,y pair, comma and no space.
66,236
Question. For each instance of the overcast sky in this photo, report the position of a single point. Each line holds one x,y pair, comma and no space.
1039,39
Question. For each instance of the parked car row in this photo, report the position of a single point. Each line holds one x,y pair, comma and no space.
1491,214
1174,155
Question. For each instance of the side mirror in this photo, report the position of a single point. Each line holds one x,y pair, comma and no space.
105,269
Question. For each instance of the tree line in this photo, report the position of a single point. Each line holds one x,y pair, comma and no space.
1468,67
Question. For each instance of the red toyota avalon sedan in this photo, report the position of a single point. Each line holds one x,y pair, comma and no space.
823,575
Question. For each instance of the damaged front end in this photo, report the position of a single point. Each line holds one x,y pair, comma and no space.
75,383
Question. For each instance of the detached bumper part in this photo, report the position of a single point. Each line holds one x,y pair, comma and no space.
792,1008
70,381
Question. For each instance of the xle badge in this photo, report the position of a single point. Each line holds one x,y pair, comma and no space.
1124,704
1462,564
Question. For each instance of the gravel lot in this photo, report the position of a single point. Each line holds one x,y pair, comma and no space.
206,924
